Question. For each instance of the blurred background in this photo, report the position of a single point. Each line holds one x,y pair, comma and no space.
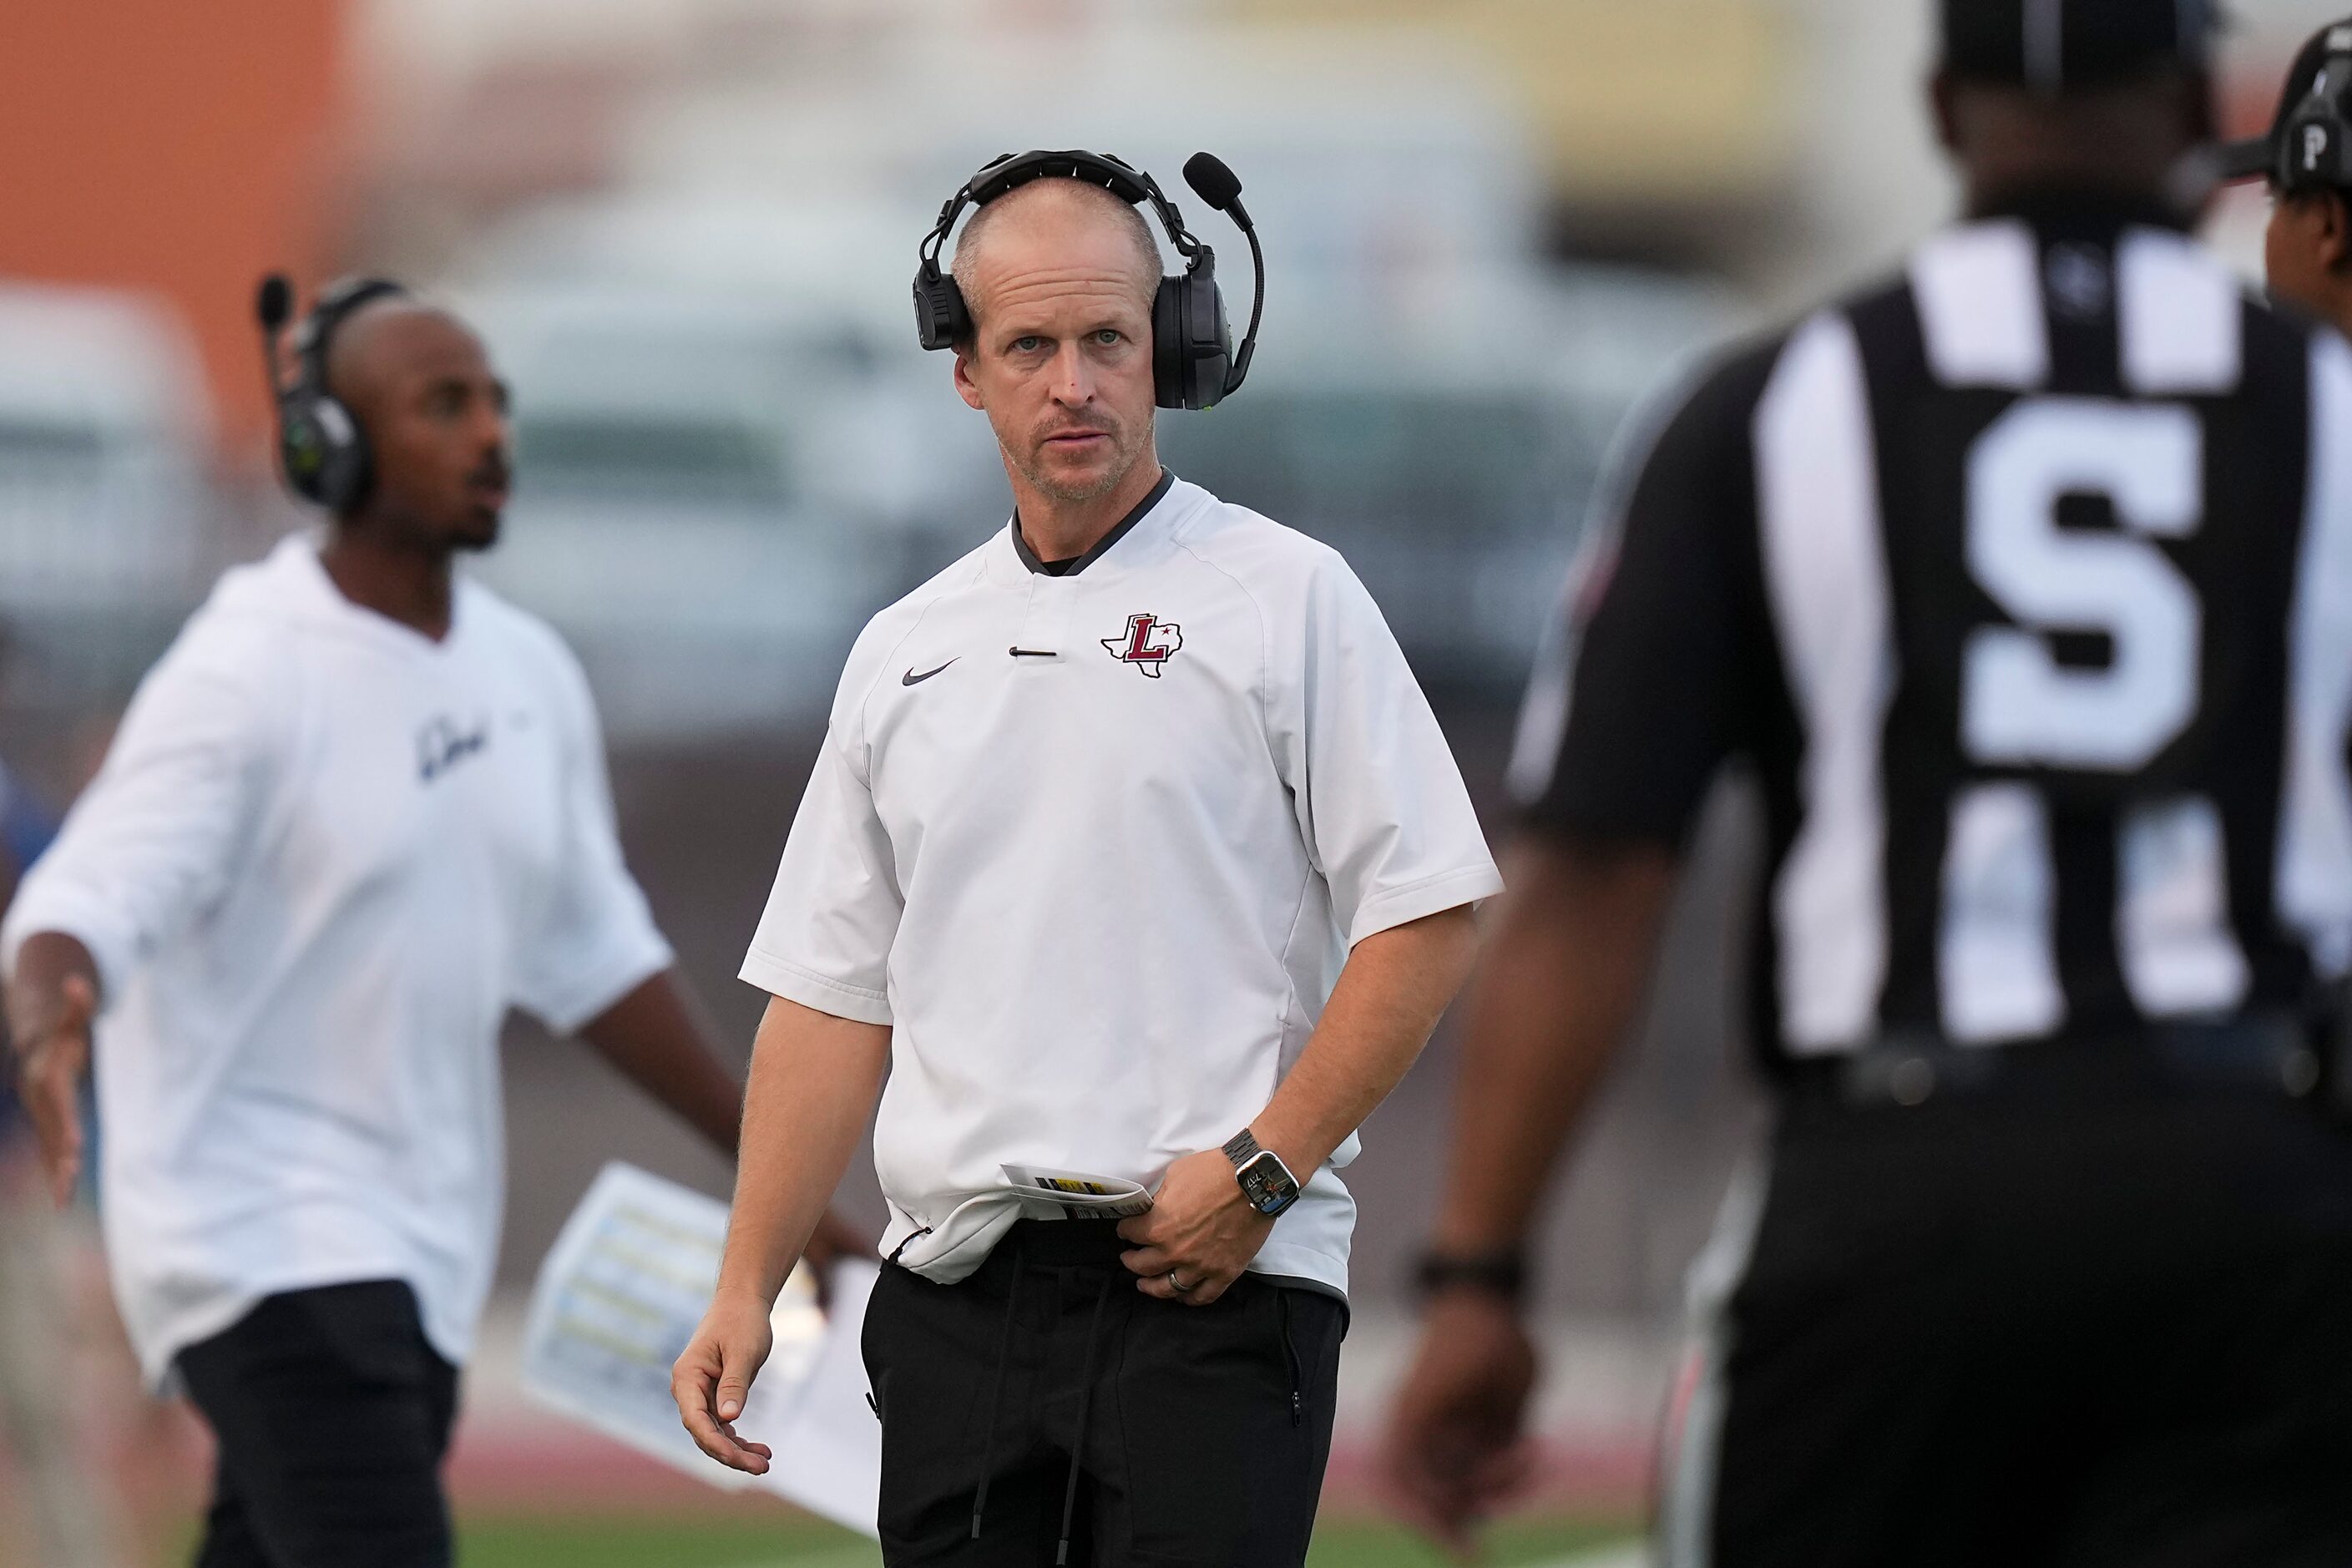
685,228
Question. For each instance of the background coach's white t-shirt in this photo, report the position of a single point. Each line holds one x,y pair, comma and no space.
324,856
1101,887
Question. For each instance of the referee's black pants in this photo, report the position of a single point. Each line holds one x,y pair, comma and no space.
333,1414
2072,1331
1045,1404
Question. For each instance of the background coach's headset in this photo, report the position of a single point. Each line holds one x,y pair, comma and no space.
1193,364
322,450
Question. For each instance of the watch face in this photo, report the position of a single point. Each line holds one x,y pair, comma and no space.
1269,1183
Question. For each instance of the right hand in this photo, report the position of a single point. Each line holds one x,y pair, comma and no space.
712,1379
1456,1446
52,1055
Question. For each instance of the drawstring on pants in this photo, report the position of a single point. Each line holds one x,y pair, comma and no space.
1297,1370
995,1401
1085,1408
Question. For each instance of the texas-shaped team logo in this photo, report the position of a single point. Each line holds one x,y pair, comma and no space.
1148,643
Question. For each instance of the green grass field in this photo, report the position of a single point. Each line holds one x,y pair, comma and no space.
639,1542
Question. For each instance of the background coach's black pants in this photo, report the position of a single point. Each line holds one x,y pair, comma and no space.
333,1414
1201,1433
2078,1332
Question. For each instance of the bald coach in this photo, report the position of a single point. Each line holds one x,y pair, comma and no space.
1133,852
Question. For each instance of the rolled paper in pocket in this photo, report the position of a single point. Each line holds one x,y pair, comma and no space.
1078,1194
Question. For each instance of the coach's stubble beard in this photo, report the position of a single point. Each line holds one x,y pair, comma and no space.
1127,448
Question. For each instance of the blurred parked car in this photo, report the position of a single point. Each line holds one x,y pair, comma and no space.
682,514
1451,459
108,523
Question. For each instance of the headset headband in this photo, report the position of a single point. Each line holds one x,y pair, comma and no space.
316,335
1008,171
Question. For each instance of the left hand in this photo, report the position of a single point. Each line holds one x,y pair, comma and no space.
1201,1228
1457,1444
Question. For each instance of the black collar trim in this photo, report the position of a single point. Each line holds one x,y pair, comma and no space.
1102,545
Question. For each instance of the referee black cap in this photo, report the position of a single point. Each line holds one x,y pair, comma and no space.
2304,146
2060,46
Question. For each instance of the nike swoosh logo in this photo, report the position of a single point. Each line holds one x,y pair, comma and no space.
911,679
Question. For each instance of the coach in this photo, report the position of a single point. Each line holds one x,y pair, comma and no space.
357,811
1133,849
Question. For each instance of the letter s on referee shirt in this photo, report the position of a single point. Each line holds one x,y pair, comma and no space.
1103,914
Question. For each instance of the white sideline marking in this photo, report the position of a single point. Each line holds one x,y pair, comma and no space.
1635,1556
846,1557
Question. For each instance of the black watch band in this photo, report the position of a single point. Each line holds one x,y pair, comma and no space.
1498,1274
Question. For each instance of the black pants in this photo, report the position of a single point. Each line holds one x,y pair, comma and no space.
1200,1434
333,1414
2072,1333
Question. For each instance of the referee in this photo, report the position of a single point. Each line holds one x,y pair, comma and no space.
2024,582
1133,851
356,812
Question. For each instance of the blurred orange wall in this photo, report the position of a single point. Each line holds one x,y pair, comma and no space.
181,146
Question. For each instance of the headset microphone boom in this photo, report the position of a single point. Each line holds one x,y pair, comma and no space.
1219,186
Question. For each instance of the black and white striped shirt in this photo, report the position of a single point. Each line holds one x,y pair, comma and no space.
2026,582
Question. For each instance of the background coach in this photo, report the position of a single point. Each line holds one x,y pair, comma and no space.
357,811
1133,849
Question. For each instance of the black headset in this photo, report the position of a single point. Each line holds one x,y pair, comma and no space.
2314,143
1193,364
322,450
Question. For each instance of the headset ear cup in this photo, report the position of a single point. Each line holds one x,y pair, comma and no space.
1190,344
1168,343
1212,354
941,318
321,447
346,468
959,314
302,451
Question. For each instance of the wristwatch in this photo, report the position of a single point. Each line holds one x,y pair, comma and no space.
1266,1181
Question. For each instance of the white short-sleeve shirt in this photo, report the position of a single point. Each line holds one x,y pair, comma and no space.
324,856
1095,846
